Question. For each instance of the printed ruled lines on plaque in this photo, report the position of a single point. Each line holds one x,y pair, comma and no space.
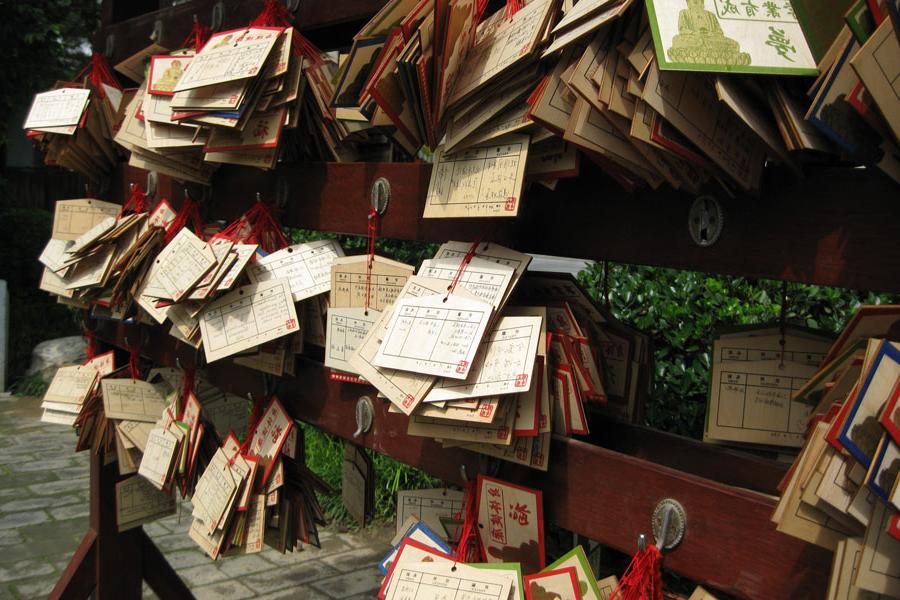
482,181
434,335
247,317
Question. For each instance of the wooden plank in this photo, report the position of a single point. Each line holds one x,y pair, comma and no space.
599,493
803,230
132,34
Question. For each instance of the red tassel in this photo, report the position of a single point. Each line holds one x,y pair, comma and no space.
468,550
277,14
198,36
642,579
513,6
98,72
136,202
134,362
189,212
187,386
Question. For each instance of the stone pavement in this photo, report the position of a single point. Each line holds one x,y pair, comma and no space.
43,515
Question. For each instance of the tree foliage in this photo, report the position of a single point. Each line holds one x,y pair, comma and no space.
44,41
682,310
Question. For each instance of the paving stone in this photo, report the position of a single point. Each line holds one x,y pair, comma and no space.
287,576
350,584
36,588
239,566
10,537
156,528
298,593
25,569
226,589
183,559
174,541
55,487
41,464
37,502
16,520
352,560
72,511
202,575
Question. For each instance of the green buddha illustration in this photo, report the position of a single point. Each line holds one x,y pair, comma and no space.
700,39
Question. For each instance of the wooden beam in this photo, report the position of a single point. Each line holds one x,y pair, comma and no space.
132,34
597,492
807,230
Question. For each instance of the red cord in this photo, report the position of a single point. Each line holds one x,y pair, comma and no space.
136,202
642,579
372,227
198,36
134,362
189,212
468,549
462,267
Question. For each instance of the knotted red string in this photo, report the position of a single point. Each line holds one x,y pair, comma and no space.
189,212
266,230
277,14
642,579
372,227
253,420
134,362
468,549
98,72
462,267
513,6
198,36
188,376
137,202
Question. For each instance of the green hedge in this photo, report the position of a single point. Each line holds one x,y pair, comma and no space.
35,316
682,310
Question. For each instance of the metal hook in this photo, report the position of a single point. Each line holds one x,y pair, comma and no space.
664,530
178,362
195,17
462,473
258,197
642,542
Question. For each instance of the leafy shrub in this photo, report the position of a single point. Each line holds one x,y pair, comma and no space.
681,311
34,316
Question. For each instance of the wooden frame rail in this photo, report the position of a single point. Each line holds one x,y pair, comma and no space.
602,494
837,227
322,22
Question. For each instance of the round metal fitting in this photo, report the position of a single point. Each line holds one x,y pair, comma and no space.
706,221
218,16
669,515
381,195
365,413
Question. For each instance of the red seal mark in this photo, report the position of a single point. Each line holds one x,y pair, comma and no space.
502,433
486,411
408,401
523,49
510,203
521,379
462,366
291,324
